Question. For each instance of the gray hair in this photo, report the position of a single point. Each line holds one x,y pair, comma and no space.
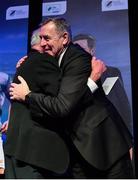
61,25
35,38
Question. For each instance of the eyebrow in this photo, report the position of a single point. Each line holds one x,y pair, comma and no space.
45,37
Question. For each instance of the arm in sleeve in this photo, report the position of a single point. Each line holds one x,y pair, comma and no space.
72,89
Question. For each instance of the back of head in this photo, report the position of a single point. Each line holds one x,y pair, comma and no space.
86,41
35,41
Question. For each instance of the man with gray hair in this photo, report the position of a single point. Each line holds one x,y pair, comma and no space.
35,46
27,148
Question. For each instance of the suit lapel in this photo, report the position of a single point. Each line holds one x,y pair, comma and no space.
65,57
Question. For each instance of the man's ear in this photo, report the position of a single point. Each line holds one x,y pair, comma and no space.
66,38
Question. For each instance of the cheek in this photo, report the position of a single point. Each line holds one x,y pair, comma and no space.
55,48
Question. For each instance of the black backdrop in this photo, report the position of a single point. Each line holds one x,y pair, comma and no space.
35,17
133,13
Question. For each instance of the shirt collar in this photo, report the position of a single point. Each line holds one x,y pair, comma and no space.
61,56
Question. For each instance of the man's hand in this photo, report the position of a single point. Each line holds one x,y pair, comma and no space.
21,61
4,127
19,91
131,153
98,68
2,170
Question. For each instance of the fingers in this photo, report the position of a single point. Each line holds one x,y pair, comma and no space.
12,93
12,85
4,127
98,63
19,91
21,61
2,170
11,90
98,67
13,96
93,58
22,81
20,78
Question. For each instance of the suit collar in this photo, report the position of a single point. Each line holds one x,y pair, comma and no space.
66,54
61,56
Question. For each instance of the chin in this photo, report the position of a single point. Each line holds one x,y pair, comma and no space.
49,52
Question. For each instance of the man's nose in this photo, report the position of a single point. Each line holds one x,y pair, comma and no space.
43,42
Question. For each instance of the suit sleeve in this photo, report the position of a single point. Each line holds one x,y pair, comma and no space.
72,89
48,77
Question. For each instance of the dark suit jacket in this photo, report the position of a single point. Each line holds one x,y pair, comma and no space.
90,120
32,139
118,96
